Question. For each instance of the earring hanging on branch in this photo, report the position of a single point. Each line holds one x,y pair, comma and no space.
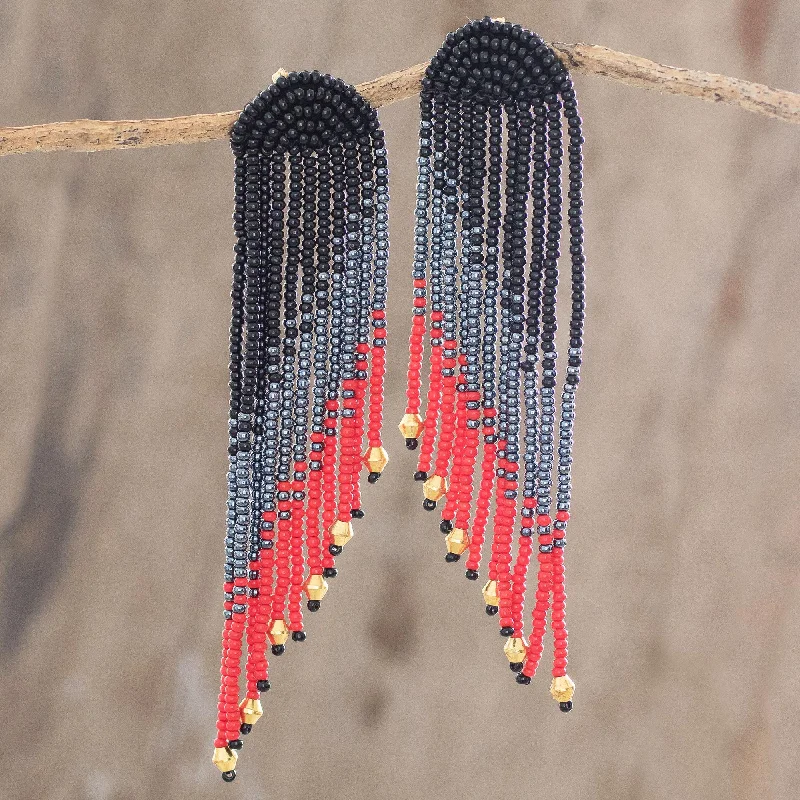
494,106
307,342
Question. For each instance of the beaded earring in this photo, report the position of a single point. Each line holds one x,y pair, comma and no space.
311,194
493,104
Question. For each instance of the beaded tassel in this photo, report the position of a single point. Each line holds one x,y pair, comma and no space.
307,339
495,100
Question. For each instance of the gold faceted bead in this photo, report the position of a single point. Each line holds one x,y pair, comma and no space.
315,587
224,759
250,710
411,426
457,541
341,532
515,649
435,488
562,688
376,459
278,632
490,594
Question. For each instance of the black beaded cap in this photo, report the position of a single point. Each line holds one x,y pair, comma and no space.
496,61
305,109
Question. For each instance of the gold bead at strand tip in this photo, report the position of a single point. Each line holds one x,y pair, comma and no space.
515,649
315,587
435,488
341,532
562,688
411,426
490,593
278,632
457,541
224,759
250,710
376,459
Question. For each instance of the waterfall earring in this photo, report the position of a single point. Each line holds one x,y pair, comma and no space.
307,341
489,213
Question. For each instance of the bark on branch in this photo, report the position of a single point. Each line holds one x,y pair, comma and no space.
89,135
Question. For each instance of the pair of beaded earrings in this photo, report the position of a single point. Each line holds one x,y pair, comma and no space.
308,336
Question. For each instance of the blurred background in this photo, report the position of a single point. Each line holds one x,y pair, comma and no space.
684,601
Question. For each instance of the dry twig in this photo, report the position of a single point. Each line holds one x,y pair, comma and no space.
89,135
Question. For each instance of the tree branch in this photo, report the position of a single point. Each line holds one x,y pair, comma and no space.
88,135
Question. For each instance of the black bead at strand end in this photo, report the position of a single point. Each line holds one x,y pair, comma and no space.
335,549
235,744
420,476
263,686
471,575
245,728
445,526
516,666
451,558
330,572
298,636
229,776
506,631
565,707
278,649
492,610
313,605
411,444
523,679
373,477
429,505
356,513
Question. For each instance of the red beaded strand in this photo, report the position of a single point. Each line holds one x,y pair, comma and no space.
447,431
283,553
453,497
376,380
434,398
484,496
543,589
296,548
415,350
558,615
329,481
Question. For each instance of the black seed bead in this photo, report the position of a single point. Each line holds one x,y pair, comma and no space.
523,679
313,605
566,707
445,526
236,744
229,776
278,649
506,631
298,636
429,505
334,549
451,558
411,444
471,575
357,513
329,572
245,728
516,666
373,477
492,610
420,476
263,686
